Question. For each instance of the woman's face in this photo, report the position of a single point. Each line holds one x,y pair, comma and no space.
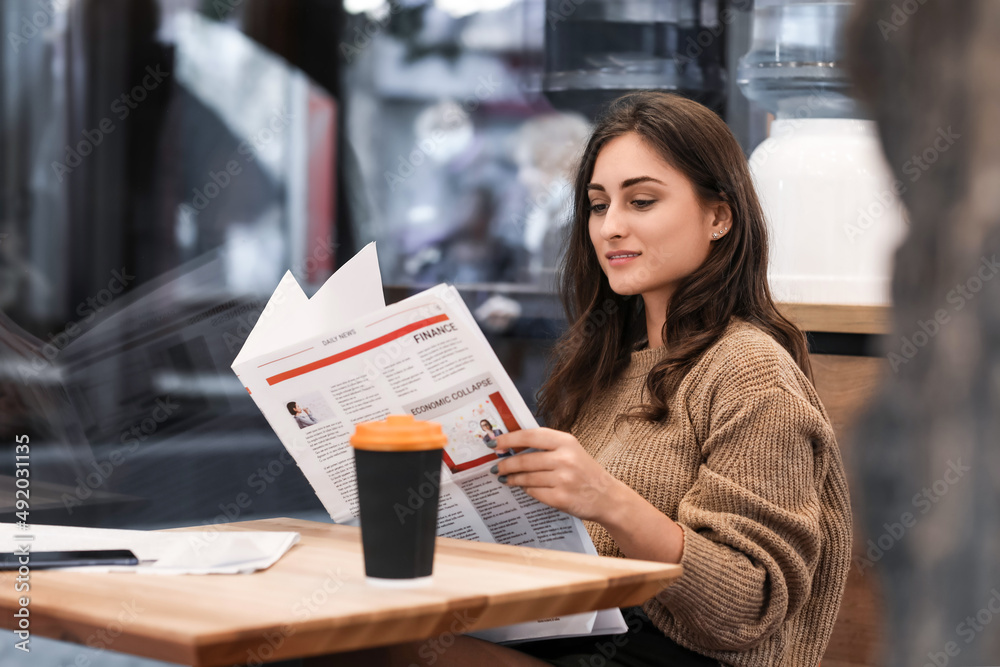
297,408
485,425
646,223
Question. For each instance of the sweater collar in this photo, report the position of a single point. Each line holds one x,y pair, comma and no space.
644,358
643,361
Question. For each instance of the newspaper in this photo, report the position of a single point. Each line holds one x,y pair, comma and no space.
425,356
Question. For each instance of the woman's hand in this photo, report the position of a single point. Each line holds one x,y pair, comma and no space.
566,477
561,474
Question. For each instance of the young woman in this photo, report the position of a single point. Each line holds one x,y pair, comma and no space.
683,424
489,433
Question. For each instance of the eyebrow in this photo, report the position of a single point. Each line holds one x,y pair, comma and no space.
627,183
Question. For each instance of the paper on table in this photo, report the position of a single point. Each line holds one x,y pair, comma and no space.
604,622
187,552
290,316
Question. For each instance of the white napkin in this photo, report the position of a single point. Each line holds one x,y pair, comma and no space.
174,552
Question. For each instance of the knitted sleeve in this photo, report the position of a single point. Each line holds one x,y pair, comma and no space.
751,521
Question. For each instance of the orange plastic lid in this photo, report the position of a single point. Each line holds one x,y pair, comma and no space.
398,433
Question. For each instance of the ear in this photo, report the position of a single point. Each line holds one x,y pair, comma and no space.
720,218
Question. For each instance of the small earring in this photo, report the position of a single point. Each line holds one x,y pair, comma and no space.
714,235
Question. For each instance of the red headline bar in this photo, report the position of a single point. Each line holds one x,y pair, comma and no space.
354,351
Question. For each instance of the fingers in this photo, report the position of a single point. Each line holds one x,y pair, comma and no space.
543,479
530,462
536,438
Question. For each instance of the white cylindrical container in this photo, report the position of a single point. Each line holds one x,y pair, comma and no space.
833,211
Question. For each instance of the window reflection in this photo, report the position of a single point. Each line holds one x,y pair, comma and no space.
165,162
163,168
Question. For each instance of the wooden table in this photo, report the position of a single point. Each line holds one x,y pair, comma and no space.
315,600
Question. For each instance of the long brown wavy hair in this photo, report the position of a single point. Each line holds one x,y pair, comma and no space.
604,327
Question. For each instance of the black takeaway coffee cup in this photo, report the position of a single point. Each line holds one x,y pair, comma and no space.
398,464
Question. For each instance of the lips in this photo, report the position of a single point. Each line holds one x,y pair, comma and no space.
620,257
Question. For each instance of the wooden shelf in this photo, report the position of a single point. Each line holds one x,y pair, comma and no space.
838,319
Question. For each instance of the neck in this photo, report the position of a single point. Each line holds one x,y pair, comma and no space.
655,307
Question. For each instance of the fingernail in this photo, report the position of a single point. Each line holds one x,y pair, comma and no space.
491,444
495,469
502,479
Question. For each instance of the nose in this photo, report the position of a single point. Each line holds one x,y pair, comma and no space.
613,223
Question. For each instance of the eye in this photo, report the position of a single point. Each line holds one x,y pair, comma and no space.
598,208
643,203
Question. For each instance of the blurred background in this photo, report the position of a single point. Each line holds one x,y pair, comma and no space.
164,162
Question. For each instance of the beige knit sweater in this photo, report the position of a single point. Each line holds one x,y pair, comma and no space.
748,465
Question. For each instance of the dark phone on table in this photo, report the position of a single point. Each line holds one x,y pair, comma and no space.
39,560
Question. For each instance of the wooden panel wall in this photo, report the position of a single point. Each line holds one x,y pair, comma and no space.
846,385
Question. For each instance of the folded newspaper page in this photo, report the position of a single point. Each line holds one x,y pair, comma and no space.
425,356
